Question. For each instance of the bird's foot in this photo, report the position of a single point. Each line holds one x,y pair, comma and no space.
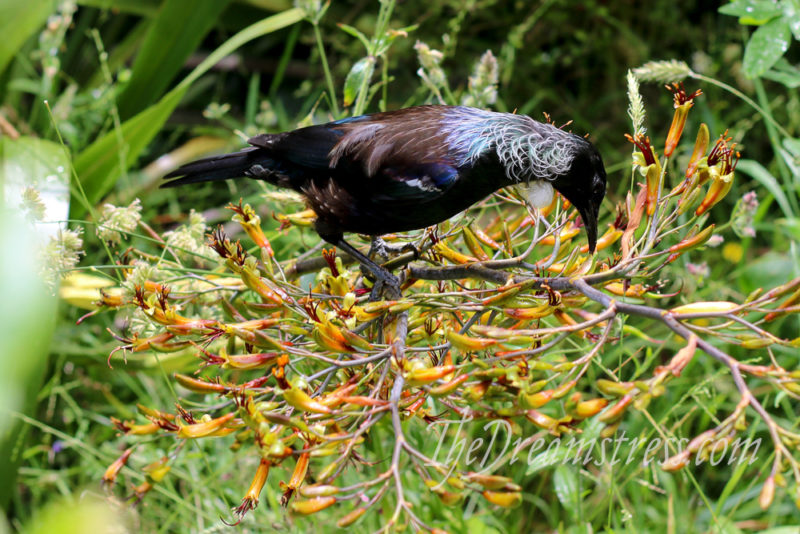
381,249
378,249
409,247
387,284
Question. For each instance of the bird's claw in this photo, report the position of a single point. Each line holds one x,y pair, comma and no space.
409,247
386,283
381,249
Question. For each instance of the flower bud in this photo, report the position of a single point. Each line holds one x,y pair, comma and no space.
449,387
312,506
299,399
472,243
609,387
693,241
110,476
456,257
418,377
678,461
767,493
653,178
469,344
528,314
503,498
616,411
212,428
700,147
791,301
489,482
590,408
535,400
704,308
351,517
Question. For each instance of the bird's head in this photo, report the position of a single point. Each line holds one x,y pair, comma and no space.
584,185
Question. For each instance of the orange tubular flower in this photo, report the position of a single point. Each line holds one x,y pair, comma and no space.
250,500
214,427
251,223
722,163
683,103
298,476
113,470
652,169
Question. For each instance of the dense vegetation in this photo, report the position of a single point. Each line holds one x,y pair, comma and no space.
100,98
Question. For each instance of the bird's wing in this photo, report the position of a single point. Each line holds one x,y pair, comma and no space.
423,182
399,155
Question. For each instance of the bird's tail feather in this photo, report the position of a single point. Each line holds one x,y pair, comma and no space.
215,168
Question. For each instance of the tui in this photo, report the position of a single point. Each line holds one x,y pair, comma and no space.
412,168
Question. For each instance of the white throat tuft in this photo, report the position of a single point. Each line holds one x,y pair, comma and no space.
538,193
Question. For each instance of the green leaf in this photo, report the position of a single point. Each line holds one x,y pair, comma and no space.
792,144
28,309
766,46
565,483
785,73
355,33
793,162
99,165
157,64
791,14
791,227
359,74
757,171
768,270
753,12
18,21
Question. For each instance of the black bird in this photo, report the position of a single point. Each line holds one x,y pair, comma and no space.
412,168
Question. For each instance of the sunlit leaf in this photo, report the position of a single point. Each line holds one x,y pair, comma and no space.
565,483
359,74
157,65
791,13
18,21
766,46
755,12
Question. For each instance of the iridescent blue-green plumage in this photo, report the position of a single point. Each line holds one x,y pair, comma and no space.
412,168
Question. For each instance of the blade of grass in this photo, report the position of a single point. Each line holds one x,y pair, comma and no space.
98,165
156,64
18,21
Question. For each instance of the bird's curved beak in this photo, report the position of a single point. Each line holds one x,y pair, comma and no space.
589,217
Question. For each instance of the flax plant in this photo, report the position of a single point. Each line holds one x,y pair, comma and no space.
503,316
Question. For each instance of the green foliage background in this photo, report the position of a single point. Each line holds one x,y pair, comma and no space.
124,82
